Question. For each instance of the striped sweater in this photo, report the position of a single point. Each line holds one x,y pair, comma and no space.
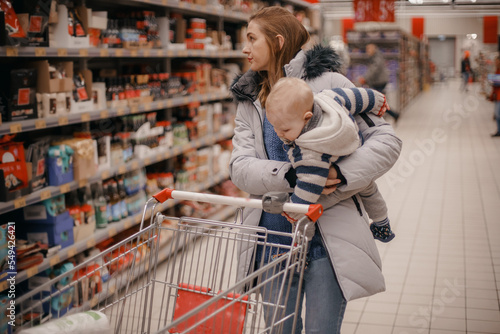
334,136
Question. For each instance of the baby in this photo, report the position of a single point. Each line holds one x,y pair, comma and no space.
318,130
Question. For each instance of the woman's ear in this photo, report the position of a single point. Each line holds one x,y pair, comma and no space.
281,40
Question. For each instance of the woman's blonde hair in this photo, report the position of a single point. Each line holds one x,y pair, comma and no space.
275,21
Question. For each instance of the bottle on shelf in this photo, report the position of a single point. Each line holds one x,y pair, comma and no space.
123,197
74,208
100,206
115,201
87,205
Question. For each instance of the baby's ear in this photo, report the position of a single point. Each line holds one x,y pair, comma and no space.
308,115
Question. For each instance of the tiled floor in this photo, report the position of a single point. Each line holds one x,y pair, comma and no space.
443,268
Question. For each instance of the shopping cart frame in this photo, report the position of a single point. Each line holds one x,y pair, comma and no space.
311,214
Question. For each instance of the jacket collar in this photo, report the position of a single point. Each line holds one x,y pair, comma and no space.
307,65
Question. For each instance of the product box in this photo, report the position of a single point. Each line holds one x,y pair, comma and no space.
60,165
60,37
35,154
48,212
57,230
18,95
15,172
84,164
51,81
78,105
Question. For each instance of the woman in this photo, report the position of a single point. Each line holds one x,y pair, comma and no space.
343,261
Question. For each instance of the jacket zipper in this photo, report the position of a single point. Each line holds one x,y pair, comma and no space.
358,206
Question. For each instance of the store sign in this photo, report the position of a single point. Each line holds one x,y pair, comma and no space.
373,10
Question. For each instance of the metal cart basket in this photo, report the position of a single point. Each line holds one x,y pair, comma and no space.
198,290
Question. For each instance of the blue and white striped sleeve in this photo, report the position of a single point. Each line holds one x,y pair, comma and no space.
360,100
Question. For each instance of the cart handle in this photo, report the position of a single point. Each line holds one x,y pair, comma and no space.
312,211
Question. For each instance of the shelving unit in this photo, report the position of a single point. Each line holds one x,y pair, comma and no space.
404,59
87,57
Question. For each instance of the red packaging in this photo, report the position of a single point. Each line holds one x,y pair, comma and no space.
12,24
13,164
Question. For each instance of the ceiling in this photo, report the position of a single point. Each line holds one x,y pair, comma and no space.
464,8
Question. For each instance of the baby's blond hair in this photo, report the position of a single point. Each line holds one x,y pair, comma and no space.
290,95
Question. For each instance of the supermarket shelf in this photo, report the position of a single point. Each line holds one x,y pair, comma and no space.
76,118
362,57
300,3
135,164
110,231
50,52
363,41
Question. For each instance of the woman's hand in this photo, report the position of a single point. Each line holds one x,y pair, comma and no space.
331,182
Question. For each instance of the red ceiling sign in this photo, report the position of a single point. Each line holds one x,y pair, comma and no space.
374,10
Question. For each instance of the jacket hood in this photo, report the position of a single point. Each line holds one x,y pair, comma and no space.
337,134
307,65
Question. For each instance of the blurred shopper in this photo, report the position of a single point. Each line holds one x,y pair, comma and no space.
466,71
495,97
377,75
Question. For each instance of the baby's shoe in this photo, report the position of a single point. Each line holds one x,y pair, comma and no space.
382,233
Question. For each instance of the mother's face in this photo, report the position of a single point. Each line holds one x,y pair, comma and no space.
256,48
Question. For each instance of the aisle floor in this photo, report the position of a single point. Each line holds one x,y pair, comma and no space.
443,268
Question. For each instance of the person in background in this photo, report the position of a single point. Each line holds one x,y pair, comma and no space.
466,71
343,260
377,74
495,97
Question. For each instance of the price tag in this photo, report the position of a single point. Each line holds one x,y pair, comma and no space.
120,111
138,219
105,175
94,301
134,109
147,161
147,106
71,252
20,202
147,52
54,260
91,243
112,232
122,169
112,290
40,52
185,100
15,128
170,53
170,103
183,53
12,52
104,114
63,120
159,53
85,117
40,124
164,2
119,52
84,52
127,223
3,285
135,164
182,4
133,53
62,52
82,183
45,194
160,105
30,272
64,188
104,53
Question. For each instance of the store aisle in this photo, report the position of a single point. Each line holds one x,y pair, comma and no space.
443,268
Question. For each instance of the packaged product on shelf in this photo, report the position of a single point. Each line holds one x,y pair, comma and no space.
100,205
167,140
36,154
74,207
14,174
43,224
84,164
60,165
12,24
18,95
88,224
38,23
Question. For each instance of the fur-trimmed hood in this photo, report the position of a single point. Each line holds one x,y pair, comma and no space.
306,65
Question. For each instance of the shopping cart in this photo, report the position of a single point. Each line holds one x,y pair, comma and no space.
198,290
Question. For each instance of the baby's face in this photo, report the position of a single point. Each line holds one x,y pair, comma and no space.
288,125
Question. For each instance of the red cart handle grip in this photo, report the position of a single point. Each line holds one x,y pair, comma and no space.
163,195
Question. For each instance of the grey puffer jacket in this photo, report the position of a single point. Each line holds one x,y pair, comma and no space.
348,240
